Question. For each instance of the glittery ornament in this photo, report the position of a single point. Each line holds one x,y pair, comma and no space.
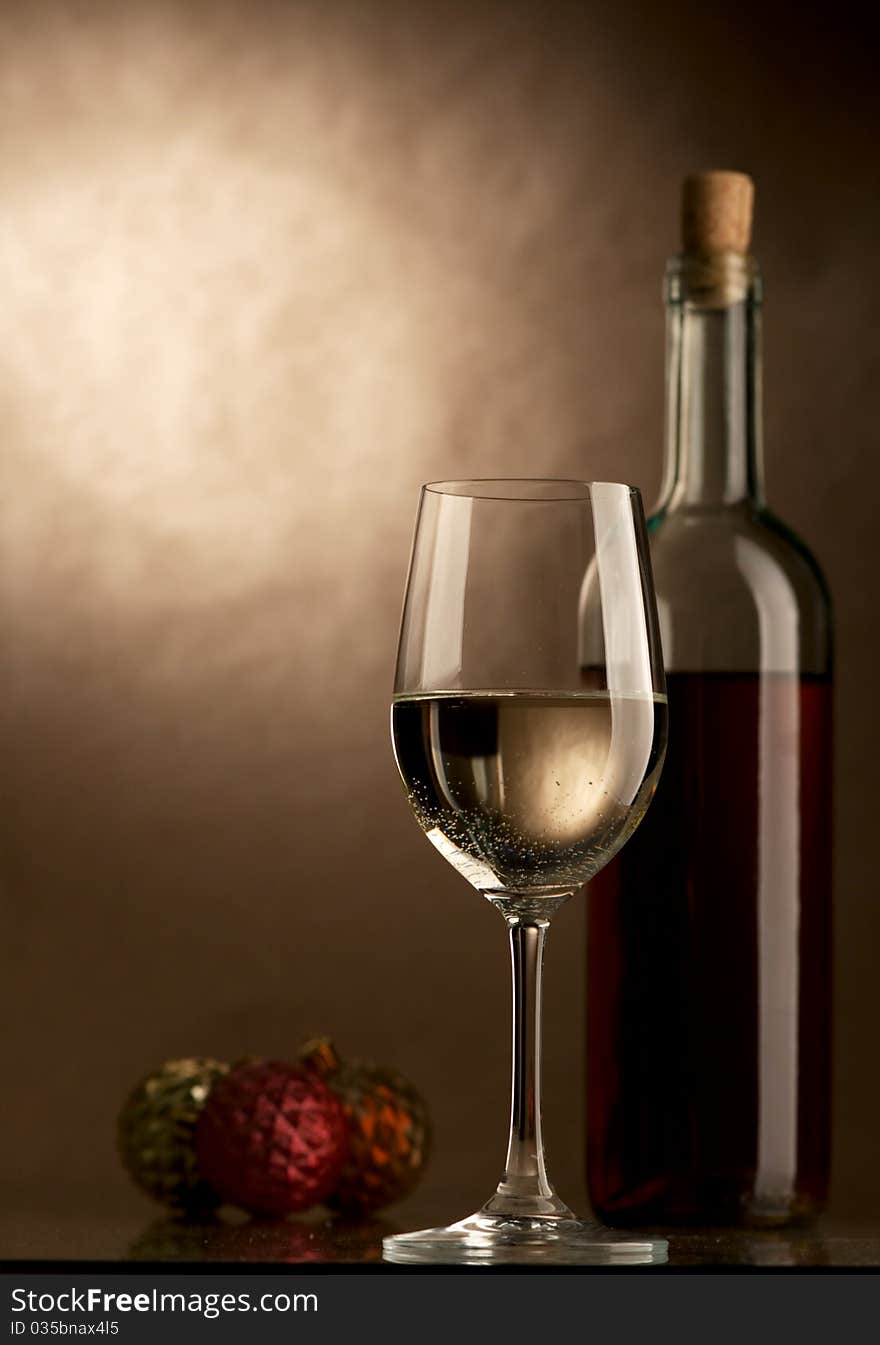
272,1138
389,1129
156,1132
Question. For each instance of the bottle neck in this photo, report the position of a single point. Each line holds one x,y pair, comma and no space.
713,384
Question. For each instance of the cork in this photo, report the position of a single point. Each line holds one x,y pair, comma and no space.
716,213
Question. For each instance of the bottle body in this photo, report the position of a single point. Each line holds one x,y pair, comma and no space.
709,954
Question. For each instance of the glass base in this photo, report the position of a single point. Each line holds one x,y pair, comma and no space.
485,1239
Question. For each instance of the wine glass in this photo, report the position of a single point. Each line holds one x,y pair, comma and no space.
529,727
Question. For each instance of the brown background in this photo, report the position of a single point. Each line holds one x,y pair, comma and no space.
264,269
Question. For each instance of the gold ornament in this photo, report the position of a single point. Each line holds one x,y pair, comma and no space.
156,1132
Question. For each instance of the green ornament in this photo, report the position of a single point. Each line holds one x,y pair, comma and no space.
156,1133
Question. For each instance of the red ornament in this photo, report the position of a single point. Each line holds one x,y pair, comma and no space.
272,1138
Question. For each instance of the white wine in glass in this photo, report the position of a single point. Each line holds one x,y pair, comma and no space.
528,767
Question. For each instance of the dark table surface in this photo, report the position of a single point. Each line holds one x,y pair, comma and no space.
136,1236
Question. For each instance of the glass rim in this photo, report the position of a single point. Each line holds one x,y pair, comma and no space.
523,489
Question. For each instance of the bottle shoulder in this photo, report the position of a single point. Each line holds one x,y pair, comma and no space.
718,537
735,583
790,548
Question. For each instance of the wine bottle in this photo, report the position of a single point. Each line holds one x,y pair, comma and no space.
709,976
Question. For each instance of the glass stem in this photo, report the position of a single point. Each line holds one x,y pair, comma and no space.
524,1191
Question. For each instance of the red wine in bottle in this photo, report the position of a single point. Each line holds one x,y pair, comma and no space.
693,927
709,977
